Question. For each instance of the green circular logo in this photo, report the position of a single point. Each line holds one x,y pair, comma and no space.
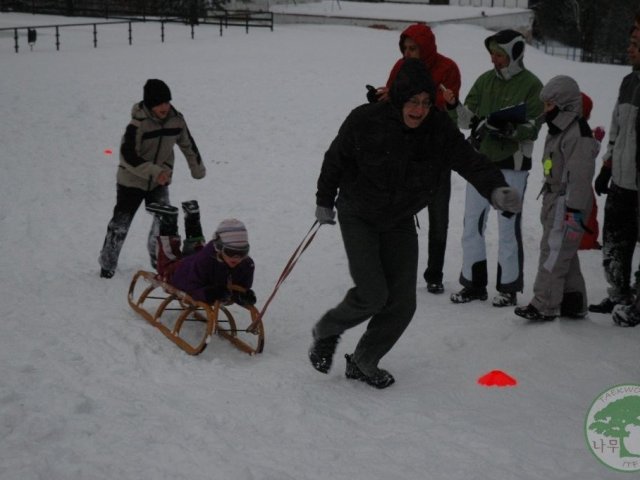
612,427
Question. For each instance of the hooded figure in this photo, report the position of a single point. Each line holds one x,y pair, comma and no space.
509,145
511,44
418,41
443,70
382,168
568,163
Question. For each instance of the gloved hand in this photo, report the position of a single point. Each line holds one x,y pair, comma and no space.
372,94
325,215
245,298
506,199
500,128
574,219
601,184
599,133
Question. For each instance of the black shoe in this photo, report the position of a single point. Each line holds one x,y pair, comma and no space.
572,305
505,299
380,379
104,273
605,306
190,207
468,294
626,316
321,352
162,209
435,287
532,313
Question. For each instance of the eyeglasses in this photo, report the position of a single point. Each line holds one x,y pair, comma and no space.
236,252
415,103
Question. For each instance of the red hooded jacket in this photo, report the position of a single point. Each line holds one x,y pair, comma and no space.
443,70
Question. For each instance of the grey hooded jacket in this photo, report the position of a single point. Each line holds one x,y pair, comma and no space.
570,149
147,148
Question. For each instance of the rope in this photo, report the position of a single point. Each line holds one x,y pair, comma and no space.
306,240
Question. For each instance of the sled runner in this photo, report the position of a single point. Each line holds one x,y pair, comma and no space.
190,323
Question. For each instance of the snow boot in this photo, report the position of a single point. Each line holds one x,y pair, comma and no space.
571,306
194,240
380,378
626,316
435,287
505,299
167,216
104,273
191,207
321,352
468,294
532,313
605,306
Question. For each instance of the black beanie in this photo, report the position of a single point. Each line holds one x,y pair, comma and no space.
155,93
412,79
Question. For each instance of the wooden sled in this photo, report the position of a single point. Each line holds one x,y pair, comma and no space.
190,323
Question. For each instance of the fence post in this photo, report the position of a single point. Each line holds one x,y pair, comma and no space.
130,33
95,36
162,30
57,37
15,36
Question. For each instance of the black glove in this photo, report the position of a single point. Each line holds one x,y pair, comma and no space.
372,94
501,129
601,184
476,133
245,298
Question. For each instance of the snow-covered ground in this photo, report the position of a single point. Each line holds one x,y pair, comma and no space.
88,390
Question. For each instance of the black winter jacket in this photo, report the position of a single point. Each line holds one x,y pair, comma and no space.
384,172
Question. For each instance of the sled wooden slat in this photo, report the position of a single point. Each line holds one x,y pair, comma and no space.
161,312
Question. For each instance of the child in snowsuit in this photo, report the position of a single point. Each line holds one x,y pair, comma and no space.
568,162
206,272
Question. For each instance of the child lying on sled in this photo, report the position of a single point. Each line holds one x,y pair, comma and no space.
204,271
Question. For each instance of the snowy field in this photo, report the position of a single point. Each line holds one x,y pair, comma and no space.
90,391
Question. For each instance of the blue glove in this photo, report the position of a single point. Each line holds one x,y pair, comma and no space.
325,215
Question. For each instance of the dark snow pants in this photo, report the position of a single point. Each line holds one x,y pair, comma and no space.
383,265
128,201
619,236
438,226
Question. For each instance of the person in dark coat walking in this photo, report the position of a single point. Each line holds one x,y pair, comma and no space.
383,167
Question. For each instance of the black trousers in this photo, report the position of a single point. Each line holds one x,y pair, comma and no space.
383,265
128,200
619,236
438,226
